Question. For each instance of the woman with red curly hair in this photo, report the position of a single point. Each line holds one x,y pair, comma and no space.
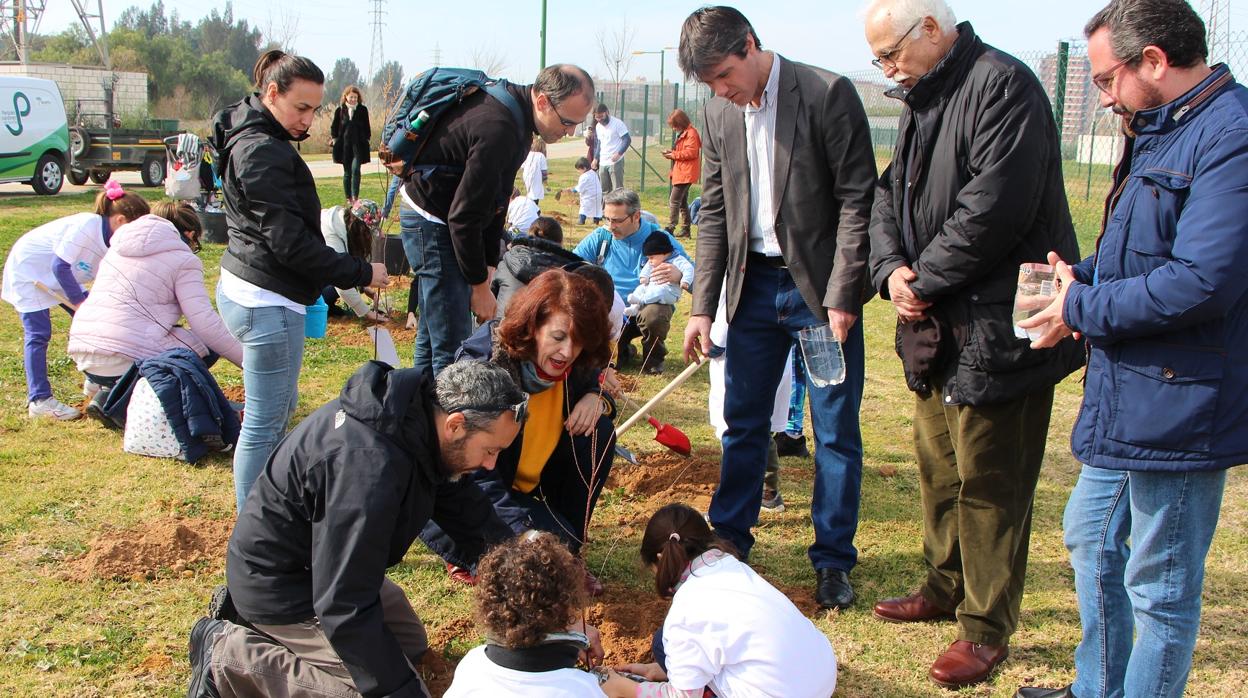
554,341
528,606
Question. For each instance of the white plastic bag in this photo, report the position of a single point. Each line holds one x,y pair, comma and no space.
148,432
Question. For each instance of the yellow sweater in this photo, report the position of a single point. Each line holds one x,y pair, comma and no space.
542,430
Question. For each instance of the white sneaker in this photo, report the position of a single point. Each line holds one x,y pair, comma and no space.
51,407
89,387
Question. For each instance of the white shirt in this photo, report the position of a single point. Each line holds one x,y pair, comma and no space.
521,213
610,140
589,187
77,239
412,204
760,140
250,295
732,631
531,172
334,230
478,677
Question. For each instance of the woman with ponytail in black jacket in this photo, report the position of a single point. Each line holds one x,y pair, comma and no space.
276,262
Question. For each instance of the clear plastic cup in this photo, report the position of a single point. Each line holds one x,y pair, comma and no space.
825,362
1037,287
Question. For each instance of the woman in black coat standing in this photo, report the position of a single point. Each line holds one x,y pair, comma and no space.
349,135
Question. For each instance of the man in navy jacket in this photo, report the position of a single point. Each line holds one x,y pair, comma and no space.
1163,308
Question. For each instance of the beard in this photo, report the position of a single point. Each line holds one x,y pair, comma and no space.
454,459
1150,98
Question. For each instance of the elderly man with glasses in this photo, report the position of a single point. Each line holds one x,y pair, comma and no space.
454,204
974,190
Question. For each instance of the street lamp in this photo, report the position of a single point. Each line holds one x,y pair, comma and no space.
662,83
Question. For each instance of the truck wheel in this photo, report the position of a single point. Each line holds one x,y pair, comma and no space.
79,141
98,176
76,178
49,174
154,172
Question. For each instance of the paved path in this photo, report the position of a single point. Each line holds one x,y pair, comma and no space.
320,168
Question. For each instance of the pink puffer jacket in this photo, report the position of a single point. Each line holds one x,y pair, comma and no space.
148,280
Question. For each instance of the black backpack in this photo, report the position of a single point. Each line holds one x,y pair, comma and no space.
421,105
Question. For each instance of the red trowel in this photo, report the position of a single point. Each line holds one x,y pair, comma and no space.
667,435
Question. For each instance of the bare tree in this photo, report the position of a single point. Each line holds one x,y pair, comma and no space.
282,30
487,59
616,46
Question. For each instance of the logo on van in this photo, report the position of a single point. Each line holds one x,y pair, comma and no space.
18,113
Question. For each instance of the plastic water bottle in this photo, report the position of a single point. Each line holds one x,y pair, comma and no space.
825,361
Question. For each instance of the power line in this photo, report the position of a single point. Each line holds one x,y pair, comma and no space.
377,56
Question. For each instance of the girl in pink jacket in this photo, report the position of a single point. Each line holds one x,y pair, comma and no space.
149,279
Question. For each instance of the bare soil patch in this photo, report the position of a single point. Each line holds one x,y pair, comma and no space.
163,547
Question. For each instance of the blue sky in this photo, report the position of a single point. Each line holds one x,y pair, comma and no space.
826,33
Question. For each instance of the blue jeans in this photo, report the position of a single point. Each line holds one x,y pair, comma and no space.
1138,542
391,192
445,321
797,395
37,331
763,328
272,340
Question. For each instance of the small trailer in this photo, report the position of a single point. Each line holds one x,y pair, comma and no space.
100,146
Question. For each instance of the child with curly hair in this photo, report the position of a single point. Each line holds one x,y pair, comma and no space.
728,630
529,598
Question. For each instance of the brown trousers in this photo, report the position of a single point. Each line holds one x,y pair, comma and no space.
297,660
978,468
652,324
679,205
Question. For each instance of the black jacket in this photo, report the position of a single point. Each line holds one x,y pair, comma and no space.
478,149
351,135
342,498
528,257
272,211
978,154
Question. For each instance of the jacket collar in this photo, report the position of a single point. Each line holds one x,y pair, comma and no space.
1175,113
946,74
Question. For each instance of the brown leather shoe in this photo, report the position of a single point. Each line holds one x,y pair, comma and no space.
966,663
461,574
910,609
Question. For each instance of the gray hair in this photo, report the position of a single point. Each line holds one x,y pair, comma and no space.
623,197
479,390
906,13
1171,25
563,80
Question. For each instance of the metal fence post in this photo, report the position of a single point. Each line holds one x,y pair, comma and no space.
1059,88
645,132
1087,189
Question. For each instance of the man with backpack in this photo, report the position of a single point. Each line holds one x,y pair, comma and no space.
457,184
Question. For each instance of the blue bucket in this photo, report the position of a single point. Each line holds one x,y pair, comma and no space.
315,322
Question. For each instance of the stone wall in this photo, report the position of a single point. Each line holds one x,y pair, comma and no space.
79,82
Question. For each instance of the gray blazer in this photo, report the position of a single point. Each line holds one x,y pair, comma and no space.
823,186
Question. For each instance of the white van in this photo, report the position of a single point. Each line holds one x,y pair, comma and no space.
34,138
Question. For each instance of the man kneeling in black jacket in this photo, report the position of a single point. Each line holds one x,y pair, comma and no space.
340,500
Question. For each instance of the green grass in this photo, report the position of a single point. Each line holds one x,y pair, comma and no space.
64,484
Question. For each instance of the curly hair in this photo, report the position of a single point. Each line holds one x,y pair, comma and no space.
527,589
557,291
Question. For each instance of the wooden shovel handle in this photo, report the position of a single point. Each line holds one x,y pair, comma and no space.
667,390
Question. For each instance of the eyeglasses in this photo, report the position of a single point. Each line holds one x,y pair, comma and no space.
567,123
520,410
886,58
1104,81
618,221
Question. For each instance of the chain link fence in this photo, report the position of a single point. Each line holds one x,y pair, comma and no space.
1091,140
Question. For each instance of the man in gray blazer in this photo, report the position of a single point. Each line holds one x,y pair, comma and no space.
788,180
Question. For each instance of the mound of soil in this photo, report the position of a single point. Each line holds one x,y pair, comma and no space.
666,477
234,393
627,620
163,547
350,332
